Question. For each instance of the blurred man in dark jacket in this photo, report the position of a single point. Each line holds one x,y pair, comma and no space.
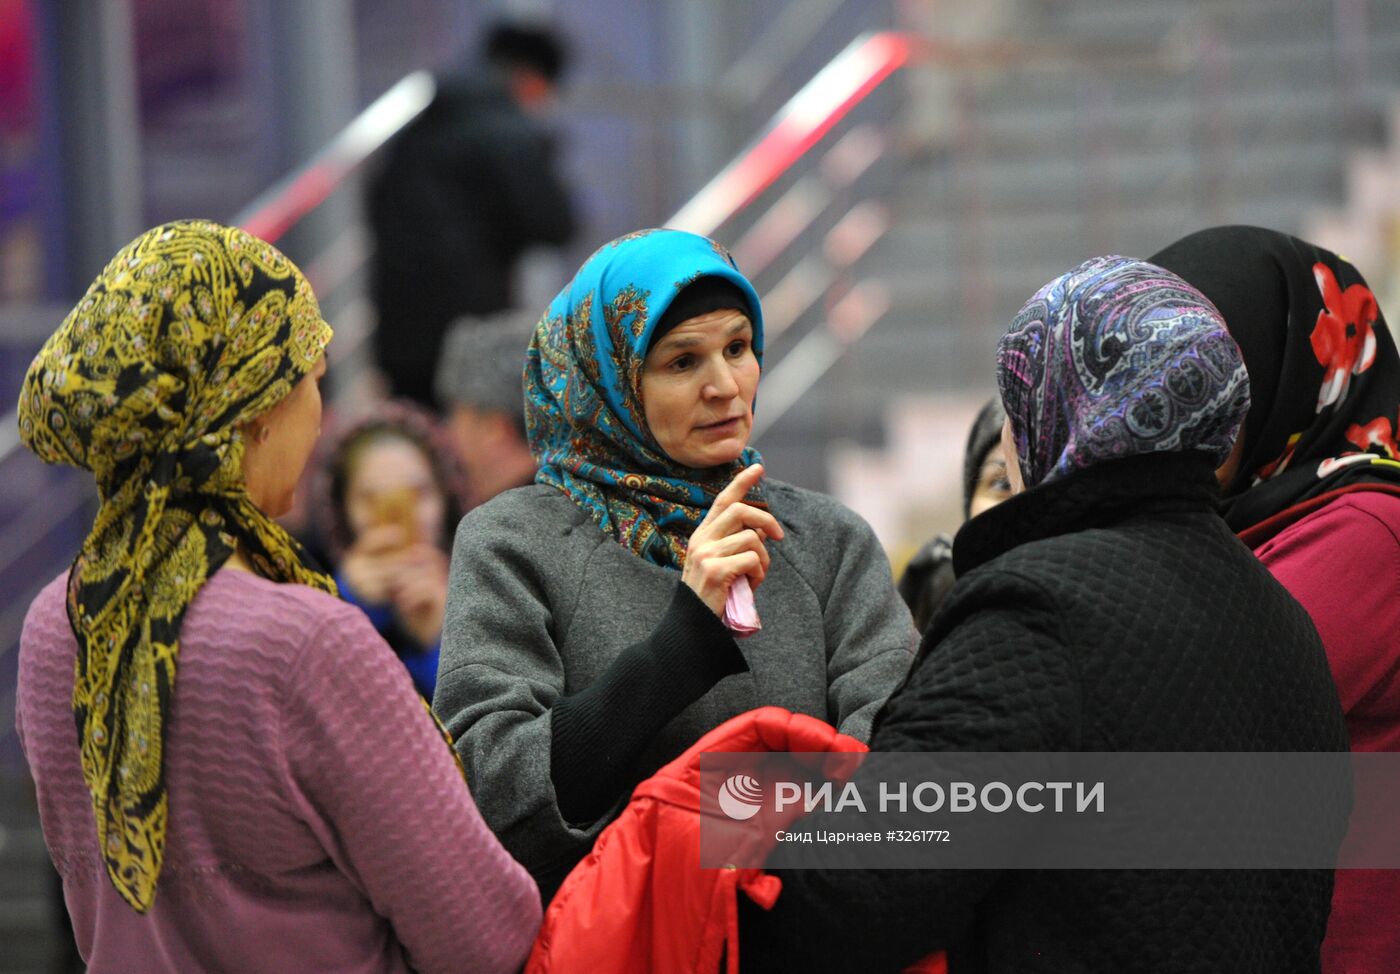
464,191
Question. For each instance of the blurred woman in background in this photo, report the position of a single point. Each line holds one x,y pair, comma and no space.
591,616
246,744
929,577
390,485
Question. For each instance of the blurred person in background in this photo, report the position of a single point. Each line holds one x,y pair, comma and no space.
591,619
929,578
463,191
390,502
1123,393
1314,488
223,801
480,385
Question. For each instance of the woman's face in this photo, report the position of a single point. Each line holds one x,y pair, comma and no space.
993,486
280,441
1013,462
1225,473
698,386
388,468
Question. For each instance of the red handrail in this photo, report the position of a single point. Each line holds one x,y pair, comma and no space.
808,115
278,209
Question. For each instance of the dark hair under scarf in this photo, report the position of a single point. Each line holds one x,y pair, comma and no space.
1323,366
1114,359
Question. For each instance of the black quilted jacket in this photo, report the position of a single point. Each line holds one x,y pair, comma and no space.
1110,611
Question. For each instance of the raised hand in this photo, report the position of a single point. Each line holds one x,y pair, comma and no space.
730,542
418,592
371,563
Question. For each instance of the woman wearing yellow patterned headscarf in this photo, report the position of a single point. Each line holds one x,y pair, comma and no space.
289,798
191,332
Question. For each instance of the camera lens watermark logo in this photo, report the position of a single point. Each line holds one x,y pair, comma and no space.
740,797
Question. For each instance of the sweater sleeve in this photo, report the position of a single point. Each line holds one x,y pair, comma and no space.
1332,562
995,676
870,635
501,691
600,732
378,785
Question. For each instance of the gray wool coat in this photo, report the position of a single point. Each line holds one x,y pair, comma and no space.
541,601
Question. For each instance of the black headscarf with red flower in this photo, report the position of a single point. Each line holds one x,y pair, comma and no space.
1323,369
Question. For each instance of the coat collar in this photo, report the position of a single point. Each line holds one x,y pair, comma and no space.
1089,498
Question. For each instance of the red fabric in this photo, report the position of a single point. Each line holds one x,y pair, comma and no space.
640,901
1342,562
1257,535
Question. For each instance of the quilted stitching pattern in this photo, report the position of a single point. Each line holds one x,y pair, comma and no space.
1155,631
1109,611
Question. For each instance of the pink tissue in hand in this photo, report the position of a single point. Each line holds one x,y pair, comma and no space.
740,615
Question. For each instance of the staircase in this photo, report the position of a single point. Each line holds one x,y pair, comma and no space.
1116,128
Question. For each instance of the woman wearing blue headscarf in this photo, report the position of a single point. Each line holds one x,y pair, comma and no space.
591,618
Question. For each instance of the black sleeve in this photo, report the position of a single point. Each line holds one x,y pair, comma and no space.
927,581
599,733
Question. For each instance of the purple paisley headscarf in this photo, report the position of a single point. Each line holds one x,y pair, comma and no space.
1116,358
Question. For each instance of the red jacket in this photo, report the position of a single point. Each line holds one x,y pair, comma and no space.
640,901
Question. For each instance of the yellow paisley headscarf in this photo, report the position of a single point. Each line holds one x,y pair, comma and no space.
192,330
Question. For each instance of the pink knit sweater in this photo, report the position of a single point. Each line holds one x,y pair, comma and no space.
317,819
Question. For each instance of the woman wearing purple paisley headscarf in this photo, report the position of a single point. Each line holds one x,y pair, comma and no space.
1104,607
1315,491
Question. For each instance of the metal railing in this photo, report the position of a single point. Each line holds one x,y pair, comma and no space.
284,204
792,135
813,112
798,125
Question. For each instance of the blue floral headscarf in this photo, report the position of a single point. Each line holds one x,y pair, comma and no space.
583,401
1116,358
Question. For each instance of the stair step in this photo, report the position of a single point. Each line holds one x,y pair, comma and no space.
1077,127
1123,181
1246,21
